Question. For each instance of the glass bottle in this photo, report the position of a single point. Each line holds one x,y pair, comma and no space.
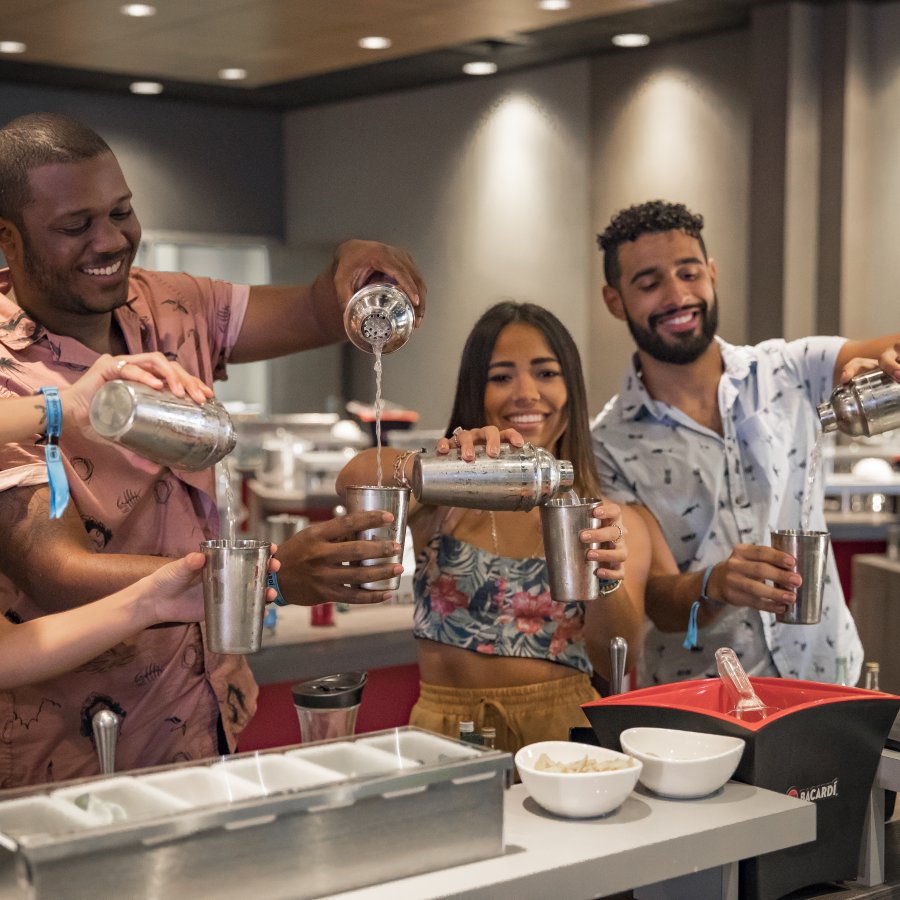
871,676
489,737
841,673
467,732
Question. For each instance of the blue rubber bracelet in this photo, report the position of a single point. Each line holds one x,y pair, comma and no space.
691,636
272,582
56,473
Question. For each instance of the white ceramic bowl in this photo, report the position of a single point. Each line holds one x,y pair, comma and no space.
682,764
576,794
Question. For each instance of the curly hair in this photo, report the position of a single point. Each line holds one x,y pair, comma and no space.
653,217
34,140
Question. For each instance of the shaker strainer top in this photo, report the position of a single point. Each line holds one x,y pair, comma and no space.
376,327
379,316
331,691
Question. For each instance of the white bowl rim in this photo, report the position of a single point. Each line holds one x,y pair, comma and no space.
601,754
731,744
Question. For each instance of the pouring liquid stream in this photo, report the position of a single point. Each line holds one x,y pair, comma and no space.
814,466
379,403
228,513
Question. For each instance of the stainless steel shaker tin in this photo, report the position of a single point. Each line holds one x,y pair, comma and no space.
161,427
379,315
519,478
869,404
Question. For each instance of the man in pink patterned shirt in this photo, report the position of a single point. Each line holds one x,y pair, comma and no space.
69,234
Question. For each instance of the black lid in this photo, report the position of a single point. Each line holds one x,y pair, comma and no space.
331,691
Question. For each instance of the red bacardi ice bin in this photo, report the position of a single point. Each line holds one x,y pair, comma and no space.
823,744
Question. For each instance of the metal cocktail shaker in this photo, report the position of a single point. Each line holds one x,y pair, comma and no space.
161,427
379,316
868,404
519,478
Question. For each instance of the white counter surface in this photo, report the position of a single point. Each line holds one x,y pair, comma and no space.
647,841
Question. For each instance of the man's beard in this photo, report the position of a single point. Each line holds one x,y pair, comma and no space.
55,288
687,347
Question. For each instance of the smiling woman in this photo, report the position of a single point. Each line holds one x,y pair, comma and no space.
493,647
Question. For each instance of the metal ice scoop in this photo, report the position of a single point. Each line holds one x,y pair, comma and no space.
106,733
747,704
618,651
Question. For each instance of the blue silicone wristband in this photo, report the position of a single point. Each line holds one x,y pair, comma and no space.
272,582
56,473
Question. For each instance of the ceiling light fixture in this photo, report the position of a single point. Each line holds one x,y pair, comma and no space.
232,74
145,87
138,10
12,47
554,5
480,68
631,40
374,42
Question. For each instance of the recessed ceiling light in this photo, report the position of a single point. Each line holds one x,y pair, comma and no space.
479,68
12,47
554,4
631,40
232,74
145,87
138,10
374,42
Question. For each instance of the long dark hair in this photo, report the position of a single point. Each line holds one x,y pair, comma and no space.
468,405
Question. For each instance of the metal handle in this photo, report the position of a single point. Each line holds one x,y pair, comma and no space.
105,724
618,651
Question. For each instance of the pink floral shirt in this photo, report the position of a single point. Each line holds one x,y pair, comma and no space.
167,688
467,597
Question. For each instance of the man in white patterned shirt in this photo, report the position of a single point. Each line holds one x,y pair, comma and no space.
714,441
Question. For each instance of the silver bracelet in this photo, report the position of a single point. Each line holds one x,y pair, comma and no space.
400,478
607,587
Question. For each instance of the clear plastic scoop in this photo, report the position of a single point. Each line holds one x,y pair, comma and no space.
747,704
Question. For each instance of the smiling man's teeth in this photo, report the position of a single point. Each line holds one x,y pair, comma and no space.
106,270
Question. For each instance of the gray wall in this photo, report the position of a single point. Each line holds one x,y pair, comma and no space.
191,167
671,123
485,181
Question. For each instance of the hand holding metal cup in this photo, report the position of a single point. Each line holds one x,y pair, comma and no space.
235,590
570,522
394,500
810,549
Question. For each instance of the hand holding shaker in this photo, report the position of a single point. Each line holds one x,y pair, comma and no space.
810,549
519,478
162,427
869,404
394,500
234,594
379,317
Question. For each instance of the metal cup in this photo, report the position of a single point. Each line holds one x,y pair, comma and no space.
162,427
394,500
570,572
234,594
810,549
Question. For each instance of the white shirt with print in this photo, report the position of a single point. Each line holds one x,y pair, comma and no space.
710,492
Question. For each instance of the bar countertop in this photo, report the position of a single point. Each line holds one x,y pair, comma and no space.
364,637
648,840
